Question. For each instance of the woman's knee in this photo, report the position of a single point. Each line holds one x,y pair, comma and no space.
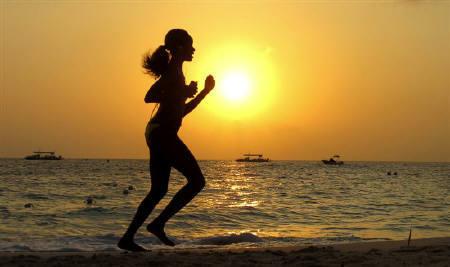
158,192
198,183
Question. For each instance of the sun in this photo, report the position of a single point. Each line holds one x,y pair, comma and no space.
235,86
246,80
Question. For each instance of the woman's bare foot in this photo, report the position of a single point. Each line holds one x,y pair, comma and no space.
158,231
130,245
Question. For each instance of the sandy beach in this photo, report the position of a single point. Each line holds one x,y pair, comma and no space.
421,252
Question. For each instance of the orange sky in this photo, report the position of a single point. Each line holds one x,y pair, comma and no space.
367,80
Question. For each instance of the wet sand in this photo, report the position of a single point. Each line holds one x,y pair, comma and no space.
421,252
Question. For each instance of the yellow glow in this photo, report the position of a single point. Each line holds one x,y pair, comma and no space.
245,79
235,86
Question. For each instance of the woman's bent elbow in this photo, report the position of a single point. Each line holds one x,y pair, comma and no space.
150,100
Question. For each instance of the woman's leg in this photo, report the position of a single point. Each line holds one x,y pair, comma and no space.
159,172
184,162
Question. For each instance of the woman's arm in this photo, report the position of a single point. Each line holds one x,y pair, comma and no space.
191,105
165,88
154,94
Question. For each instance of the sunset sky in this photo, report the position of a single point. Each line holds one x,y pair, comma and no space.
369,80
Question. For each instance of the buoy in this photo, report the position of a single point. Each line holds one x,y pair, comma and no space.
388,173
89,200
28,205
130,187
395,173
125,192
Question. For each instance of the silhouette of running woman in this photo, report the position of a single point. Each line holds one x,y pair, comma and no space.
166,148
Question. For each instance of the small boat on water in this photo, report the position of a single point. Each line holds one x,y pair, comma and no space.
333,161
43,155
253,158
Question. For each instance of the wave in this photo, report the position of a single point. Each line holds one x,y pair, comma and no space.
35,196
108,242
230,239
89,211
4,212
17,248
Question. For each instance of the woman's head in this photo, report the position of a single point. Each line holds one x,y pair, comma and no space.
179,43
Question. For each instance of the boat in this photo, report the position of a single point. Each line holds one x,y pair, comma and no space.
333,161
43,155
253,158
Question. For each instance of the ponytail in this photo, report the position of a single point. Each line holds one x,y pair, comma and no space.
155,64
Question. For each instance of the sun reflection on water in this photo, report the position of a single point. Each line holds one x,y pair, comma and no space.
253,203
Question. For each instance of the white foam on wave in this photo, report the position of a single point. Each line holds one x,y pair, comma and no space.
230,239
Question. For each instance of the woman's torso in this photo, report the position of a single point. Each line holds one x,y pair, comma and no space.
171,108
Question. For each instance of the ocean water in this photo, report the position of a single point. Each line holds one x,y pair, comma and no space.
243,204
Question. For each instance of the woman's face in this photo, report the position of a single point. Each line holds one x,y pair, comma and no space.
188,51
184,52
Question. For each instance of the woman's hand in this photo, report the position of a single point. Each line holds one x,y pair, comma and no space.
191,89
209,83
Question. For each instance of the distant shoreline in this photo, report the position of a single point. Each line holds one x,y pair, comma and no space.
273,160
